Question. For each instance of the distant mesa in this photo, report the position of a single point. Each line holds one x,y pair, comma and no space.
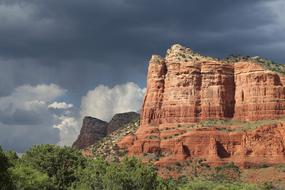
120,120
94,129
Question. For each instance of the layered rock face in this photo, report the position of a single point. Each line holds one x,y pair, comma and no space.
185,88
119,120
259,93
92,130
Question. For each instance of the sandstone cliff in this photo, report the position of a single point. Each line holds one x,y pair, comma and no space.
185,89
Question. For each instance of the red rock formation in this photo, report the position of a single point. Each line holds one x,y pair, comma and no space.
185,88
263,145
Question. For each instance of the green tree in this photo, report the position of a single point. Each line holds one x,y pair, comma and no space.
5,179
12,158
60,164
27,178
91,177
130,174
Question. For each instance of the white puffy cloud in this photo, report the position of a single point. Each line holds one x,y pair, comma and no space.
103,102
69,129
60,105
33,115
25,117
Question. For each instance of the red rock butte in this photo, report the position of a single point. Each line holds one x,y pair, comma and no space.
187,94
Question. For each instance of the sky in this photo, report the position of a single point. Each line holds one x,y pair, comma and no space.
63,60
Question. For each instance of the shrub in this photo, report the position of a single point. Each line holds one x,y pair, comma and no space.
210,185
280,167
226,173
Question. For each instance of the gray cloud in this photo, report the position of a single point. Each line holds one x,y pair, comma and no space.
25,117
81,44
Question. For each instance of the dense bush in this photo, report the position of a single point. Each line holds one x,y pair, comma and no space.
211,185
227,173
5,179
25,177
128,174
60,164
51,167
91,177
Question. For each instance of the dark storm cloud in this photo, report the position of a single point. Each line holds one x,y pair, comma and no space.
80,44
105,31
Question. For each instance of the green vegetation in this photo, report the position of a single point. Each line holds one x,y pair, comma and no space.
227,173
50,167
238,125
211,185
60,164
226,125
26,177
280,167
153,137
270,65
5,178
267,64
107,148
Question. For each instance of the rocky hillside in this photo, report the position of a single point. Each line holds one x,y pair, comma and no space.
107,147
94,129
222,111
120,120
